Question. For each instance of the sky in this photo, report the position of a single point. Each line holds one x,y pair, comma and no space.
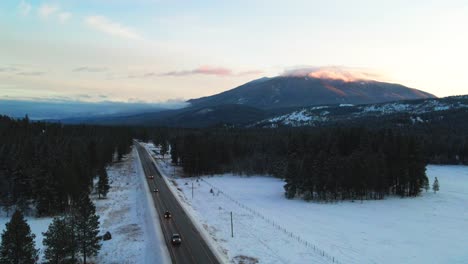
157,50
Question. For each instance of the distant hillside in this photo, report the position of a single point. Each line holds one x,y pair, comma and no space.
405,112
285,91
231,114
78,110
413,111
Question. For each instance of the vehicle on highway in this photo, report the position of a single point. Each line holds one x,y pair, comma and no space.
156,190
176,239
167,214
151,177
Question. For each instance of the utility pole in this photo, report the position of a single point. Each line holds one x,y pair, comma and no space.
192,190
232,227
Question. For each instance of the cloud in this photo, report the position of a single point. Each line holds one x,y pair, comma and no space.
84,96
24,70
346,74
109,27
252,72
90,69
46,10
64,16
8,69
31,73
211,70
143,75
24,8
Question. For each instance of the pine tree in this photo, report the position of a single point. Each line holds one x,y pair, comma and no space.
7,204
426,184
103,183
70,219
290,176
174,153
435,186
59,242
87,228
164,148
18,242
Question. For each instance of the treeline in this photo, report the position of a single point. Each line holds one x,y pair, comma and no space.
444,134
317,164
339,161
354,164
49,165
445,138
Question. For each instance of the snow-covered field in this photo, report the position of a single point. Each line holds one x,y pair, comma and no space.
127,213
267,227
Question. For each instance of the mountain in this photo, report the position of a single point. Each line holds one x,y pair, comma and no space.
263,99
287,91
423,111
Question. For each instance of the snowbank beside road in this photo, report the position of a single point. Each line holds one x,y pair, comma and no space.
129,215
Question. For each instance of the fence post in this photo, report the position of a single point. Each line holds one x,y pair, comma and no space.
232,227
254,212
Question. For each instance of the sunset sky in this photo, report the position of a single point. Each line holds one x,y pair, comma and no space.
158,50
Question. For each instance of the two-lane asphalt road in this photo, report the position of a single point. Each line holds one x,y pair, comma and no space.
193,248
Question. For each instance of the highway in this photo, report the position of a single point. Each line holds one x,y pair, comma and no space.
193,248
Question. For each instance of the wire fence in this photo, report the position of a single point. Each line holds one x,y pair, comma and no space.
297,238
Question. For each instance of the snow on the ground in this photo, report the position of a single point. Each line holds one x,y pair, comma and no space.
425,229
249,244
255,235
38,226
128,213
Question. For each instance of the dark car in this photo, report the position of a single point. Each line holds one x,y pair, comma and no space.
156,190
176,239
151,177
167,214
